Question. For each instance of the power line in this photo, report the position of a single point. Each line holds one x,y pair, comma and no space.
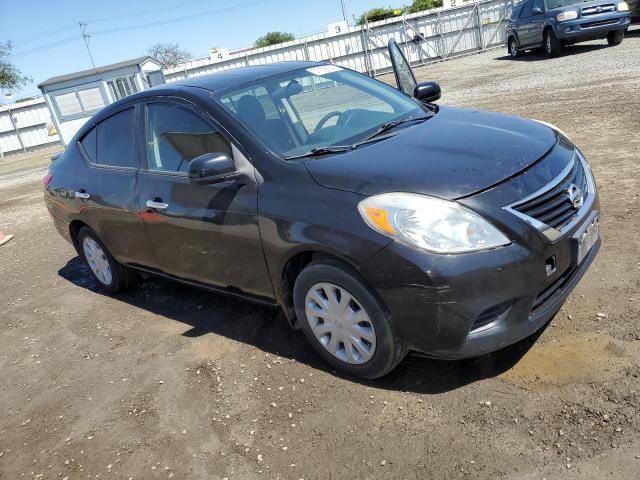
128,27
41,35
175,20
44,47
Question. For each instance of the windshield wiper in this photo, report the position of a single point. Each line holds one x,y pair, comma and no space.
385,127
314,152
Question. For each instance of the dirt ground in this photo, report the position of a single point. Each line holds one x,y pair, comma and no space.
172,382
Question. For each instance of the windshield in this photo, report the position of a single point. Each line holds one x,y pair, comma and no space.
551,4
317,107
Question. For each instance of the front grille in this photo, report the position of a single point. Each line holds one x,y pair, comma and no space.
555,207
601,23
598,9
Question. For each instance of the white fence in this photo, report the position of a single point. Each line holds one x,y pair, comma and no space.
424,37
23,127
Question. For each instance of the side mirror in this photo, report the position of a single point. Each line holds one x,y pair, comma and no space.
536,10
427,91
211,168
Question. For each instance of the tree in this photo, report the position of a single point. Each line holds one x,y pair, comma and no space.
273,38
10,77
168,54
421,5
376,14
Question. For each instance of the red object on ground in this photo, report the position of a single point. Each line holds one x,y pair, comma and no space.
4,238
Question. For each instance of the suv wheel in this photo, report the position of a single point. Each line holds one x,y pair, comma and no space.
552,45
615,37
513,48
344,321
112,276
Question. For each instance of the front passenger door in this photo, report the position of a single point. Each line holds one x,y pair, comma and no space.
203,233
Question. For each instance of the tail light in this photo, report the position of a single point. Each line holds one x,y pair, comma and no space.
46,180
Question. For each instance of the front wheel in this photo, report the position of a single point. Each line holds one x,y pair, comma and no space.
552,46
344,321
111,276
615,37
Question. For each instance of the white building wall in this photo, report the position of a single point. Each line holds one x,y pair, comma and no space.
24,126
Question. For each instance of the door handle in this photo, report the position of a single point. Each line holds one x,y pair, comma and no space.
82,195
157,205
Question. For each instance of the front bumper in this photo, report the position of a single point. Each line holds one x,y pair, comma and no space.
467,305
594,26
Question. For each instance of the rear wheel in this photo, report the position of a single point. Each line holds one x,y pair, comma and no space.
344,321
552,46
514,52
615,37
111,276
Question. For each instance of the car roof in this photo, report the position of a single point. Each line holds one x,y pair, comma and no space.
224,79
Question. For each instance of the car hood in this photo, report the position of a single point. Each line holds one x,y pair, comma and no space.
454,154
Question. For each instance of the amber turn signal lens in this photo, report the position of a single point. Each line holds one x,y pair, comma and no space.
379,217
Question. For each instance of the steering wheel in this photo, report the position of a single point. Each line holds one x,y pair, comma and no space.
324,119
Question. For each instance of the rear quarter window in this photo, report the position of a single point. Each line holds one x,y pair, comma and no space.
89,144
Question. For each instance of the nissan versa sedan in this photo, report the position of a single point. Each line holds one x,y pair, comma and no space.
378,221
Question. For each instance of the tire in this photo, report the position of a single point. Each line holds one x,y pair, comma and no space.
378,349
111,276
615,37
514,52
552,46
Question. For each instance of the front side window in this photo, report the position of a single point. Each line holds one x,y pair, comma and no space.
315,107
176,134
115,140
538,4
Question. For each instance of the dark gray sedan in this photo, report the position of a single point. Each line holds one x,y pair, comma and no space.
378,221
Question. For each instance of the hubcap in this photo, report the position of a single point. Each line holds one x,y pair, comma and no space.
340,323
514,48
97,260
548,43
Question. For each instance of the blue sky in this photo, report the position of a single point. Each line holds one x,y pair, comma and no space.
47,39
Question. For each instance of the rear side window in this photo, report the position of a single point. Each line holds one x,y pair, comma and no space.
177,134
89,144
115,140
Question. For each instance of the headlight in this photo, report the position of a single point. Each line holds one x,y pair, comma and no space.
429,223
568,15
623,7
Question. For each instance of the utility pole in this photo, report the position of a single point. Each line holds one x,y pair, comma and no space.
344,11
85,37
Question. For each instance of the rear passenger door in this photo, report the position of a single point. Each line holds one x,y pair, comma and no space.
524,27
536,22
204,233
107,189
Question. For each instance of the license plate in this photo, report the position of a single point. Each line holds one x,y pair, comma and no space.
586,237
